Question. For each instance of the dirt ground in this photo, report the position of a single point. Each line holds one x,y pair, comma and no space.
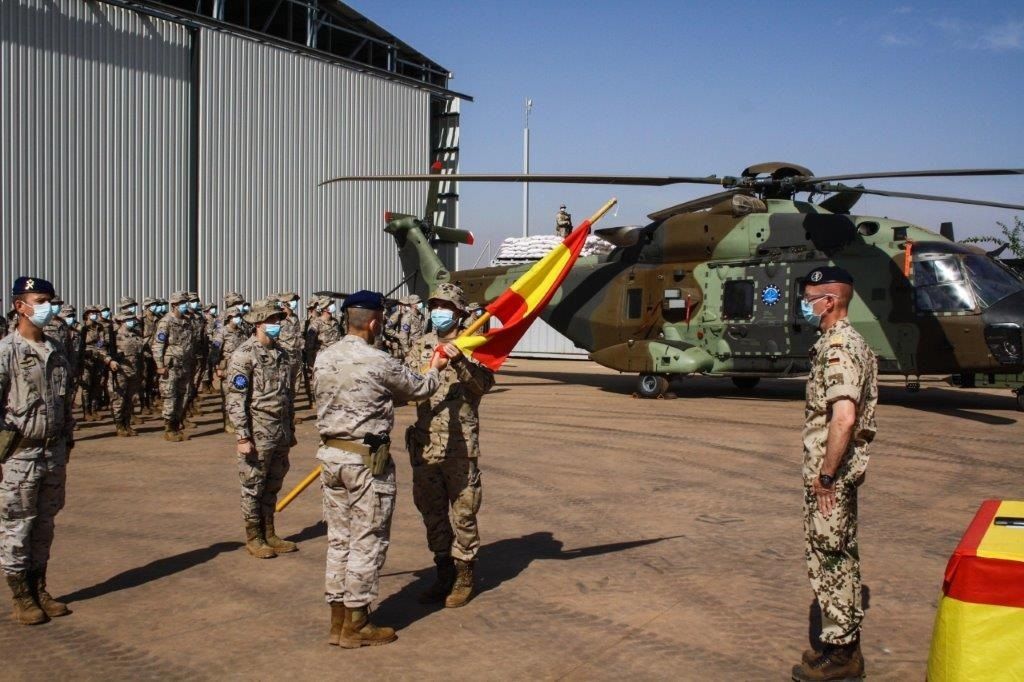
622,539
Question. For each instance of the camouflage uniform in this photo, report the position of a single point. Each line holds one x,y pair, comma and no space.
96,340
322,332
291,340
406,325
148,383
129,351
259,407
563,222
3,326
73,349
198,350
444,445
171,348
34,383
842,367
356,386
227,339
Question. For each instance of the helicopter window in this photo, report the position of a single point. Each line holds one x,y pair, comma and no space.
738,300
939,286
634,303
991,281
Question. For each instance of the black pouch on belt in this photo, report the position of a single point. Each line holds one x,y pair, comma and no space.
380,452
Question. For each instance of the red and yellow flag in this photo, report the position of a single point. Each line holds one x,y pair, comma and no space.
522,302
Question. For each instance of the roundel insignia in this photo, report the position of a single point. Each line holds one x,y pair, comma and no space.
99,343
770,295
405,327
240,382
162,337
816,276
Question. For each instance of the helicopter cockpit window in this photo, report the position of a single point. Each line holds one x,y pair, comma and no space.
939,285
738,300
990,281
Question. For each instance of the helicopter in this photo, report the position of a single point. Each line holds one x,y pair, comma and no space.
713,285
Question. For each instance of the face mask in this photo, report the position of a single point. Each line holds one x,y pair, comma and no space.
133,309
154,309
293,305
807,310
236,321
105,314
55,308
70,320
213,311
272,330
183,308
194,305
93,317
442,319
131,324
246,308
332,308
42,313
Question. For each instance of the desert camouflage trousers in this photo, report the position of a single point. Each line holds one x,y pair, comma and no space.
261,474
174,389
451,484
31,495
124,390
833,563
358,508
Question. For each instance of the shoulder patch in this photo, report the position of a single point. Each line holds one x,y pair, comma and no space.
99,342
162,337
837,340
405,328
240,382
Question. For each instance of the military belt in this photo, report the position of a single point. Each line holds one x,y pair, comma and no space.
376,460
26,443
347,446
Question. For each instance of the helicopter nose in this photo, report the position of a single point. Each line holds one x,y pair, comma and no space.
1003,324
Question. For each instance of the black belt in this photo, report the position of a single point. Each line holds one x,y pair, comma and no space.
26,443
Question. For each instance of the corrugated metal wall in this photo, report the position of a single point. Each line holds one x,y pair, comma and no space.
274,124
94,148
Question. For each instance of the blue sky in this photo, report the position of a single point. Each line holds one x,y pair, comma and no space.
694,88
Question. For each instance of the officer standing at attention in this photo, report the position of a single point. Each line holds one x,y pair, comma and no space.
230,336
563,222
291,333
73,350
93,352
35,443
128,353
170,346
259,407
444,445
839,423
356,386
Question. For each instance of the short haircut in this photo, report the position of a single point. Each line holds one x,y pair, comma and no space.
360,318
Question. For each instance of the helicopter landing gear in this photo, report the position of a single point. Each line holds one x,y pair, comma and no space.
745,383
1020,398
652,386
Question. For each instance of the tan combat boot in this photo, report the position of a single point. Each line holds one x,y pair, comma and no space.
837,662
357,630
170,432
49,605
339,614
254,541
26,611
443,581
462,592
277,544
122,432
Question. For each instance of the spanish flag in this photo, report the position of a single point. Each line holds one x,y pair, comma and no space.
979,626
522,302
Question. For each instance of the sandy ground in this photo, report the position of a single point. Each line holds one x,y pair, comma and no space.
622,539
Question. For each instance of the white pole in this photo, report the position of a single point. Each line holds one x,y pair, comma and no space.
526,169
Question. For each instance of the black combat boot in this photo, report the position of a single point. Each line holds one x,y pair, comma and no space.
836,662
26,610
49,605
443,581
462,591
357,630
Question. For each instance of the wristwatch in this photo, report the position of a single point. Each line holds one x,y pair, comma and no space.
827,480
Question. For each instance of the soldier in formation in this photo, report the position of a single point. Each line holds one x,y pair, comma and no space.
35,444
563,222
128,362
405,325
842,391
95,340
324,329
291,333
259,407
444,446
174,363
355,386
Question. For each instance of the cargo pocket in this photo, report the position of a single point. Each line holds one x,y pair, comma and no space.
383,502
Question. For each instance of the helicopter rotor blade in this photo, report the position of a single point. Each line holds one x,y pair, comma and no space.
911,195
939,173
637,180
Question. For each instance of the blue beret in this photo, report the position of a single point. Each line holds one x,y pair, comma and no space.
829,274
370,300
32,285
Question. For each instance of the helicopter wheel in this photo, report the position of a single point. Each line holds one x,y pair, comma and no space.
745,383
1020,399
652,385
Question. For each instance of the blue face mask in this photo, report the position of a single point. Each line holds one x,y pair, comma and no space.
70,320
55,308
133,309
272,330
105,314
131,324
246,308
294,305
807,310
442,319
183,308
236,320
93,317
332,308
42,313
194,305
213,311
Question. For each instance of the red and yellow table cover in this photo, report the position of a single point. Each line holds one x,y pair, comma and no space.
979,627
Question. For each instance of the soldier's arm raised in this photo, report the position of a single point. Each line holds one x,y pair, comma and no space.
406,384
476,378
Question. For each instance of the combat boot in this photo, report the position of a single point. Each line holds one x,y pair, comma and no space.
130,431
443,581
122,432
462,591
339,614
49,605
357,630
254,542
170,433
837,662
26,610
275,543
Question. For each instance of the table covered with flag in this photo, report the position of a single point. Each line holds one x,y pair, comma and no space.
979,626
